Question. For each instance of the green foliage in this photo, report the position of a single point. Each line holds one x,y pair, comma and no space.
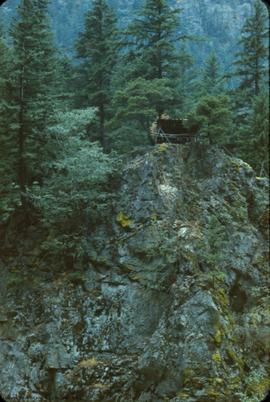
151,55
70,124
155,74
140,100
253,137
9,190
31,91
152,37
136,108
65,73
212,82
97,53
252,95
76,192
213,115
127,136
251,63
186,82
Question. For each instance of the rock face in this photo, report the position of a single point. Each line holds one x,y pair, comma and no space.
171,304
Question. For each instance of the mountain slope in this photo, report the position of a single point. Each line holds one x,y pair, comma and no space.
171,303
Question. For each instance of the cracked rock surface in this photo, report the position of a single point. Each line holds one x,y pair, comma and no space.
171,304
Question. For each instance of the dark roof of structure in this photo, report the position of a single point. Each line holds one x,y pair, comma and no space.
176,126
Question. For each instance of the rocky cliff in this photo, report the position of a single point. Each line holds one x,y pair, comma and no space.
171,303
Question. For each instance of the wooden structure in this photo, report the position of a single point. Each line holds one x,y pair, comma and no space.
173,131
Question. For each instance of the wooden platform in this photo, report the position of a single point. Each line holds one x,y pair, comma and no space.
174,132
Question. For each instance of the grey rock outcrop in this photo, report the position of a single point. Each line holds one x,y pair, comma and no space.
171,304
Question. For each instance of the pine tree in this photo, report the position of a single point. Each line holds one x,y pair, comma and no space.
65,78
211,77
9,192
252,59
253,137
5,64
250,96
259,133
32,89
148,71
97,52
214,117
151,39
186,82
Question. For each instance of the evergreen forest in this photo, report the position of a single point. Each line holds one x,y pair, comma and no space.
68,122
134,268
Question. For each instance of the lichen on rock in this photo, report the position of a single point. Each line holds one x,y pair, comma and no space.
171,304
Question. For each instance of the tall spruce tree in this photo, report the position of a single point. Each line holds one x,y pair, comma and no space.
258,134
186,82
9,191
32,89
97,52
148,70
212,82
5,64
252,136
251,63
251,94
151,39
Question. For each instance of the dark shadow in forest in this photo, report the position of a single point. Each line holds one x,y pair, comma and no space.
267,398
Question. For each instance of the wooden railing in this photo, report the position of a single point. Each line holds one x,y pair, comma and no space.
159,134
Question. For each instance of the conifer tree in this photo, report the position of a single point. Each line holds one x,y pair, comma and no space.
141,98
97,51
213,116
252,138
251,94
32,89
211,77
259,133
186,82
148,69
252,59
5,64
152,38
8,189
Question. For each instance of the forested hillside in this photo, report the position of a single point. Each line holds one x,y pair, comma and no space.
217,23
101,212
117,82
